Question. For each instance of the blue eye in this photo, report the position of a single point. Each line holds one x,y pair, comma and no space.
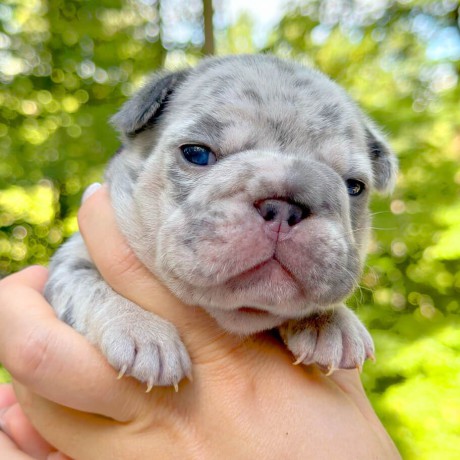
198,155
355,187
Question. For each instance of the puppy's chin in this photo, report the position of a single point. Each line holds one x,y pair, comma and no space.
246,320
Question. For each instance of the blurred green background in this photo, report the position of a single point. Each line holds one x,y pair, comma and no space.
66,66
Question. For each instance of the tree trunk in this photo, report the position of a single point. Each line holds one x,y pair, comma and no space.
208,47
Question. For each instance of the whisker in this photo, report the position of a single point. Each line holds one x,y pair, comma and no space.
383,228
379,212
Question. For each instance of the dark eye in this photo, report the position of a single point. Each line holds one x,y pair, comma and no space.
198,155
355,187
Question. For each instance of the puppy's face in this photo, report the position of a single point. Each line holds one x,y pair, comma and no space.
252,195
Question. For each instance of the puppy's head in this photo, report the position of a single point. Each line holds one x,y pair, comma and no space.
253,188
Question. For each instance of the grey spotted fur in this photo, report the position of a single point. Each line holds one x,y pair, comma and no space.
279,130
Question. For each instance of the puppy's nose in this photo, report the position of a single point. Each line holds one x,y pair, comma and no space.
282,211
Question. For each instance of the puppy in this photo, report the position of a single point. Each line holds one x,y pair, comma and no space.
243,185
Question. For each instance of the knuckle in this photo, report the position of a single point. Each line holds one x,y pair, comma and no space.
29,356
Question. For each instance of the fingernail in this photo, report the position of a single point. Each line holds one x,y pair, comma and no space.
90,190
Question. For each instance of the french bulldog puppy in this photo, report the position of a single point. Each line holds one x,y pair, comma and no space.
243,185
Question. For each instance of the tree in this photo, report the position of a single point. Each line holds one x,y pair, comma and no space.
67,65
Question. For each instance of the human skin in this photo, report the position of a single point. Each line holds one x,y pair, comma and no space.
246,400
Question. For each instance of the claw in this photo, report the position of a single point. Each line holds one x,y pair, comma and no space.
330,370
122,371
300,358
176,387
372,357
359,367
149,386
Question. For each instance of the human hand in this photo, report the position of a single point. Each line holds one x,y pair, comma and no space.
246,400
18,438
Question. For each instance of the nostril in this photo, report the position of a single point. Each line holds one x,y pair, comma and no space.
267,209
281,210
269,215
297,213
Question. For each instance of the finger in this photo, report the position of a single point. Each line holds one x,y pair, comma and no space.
78,434
10,451
54,360
125,273
349,381
85,436
16,425
7,396
34,277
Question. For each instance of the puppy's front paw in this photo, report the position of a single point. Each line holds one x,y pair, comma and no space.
335,339
146,347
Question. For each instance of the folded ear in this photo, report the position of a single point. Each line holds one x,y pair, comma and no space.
384,161
143,109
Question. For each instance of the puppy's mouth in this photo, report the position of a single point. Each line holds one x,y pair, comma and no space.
253,311
263,270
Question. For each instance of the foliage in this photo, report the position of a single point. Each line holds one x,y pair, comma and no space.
66,66
388,61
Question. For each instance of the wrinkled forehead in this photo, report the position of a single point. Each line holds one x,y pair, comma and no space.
244,105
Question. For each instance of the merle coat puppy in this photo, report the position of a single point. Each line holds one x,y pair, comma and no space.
243,185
